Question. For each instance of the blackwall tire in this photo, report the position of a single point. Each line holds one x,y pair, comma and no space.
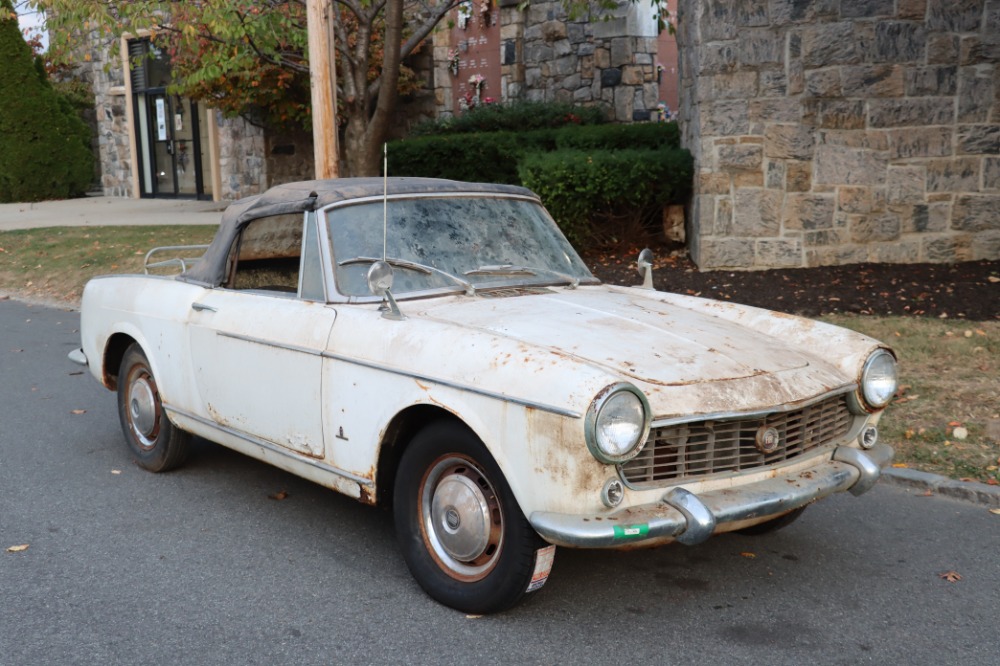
463,535
155,443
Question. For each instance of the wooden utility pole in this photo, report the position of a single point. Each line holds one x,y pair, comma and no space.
323,82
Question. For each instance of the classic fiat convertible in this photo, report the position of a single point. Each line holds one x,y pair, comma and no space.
439,348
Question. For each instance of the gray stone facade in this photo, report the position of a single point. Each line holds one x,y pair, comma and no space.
841,131
545,56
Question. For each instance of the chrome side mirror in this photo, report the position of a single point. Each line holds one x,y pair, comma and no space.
645,266
380,284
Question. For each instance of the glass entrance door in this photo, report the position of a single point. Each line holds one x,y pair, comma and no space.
170,145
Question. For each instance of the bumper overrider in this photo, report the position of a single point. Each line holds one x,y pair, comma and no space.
690,519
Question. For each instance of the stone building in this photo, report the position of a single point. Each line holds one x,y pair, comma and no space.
502,52
841,131
153,144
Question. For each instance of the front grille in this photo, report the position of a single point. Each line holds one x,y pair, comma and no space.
700,448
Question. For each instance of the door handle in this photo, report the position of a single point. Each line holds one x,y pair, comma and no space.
201,307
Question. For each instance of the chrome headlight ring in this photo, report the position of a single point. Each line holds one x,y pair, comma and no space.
879,380
617,423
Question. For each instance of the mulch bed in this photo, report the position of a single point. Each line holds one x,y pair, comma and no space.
969,290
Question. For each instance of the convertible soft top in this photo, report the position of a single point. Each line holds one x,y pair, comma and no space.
299,197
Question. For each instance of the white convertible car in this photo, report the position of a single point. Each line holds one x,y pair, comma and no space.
439,348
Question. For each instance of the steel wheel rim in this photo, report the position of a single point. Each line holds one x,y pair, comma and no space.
461,518
143,408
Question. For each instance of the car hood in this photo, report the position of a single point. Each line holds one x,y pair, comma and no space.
627,333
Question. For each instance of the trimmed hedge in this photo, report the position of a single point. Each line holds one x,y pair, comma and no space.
490,157
519,116
636,136
626,189
44,146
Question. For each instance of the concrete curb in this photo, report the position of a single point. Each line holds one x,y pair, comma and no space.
964,491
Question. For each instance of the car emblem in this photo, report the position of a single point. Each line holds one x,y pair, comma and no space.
767,439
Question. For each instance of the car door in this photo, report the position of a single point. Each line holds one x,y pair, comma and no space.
257,357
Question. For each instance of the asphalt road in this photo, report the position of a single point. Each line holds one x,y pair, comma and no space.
199,566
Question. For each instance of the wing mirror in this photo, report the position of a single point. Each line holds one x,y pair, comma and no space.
645,266
380,284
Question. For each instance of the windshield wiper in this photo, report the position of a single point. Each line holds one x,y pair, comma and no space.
511,269
470,289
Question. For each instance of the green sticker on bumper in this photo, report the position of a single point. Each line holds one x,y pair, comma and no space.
631,531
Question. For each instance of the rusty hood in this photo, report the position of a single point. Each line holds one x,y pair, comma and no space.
629,334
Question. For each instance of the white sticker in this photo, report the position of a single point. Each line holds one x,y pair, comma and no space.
161,120
544,557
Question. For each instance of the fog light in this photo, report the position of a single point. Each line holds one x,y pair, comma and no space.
613,493
868,437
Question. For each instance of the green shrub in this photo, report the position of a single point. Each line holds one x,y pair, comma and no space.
490,157
634,136
514,117
44,145
600,196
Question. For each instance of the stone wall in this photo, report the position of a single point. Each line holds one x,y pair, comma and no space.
841,131
545,56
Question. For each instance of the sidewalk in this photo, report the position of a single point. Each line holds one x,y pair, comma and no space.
108,211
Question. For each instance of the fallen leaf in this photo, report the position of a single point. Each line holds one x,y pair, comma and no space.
279,495
116,471
472,617
995,512
78,411
950,576
993,278
18,549
900,465
927,493
749,556
954,423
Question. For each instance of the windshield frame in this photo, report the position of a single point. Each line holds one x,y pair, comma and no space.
327,218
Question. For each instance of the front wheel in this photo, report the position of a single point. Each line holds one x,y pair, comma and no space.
463,536
154,441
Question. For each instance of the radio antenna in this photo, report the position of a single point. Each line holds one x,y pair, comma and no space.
385,196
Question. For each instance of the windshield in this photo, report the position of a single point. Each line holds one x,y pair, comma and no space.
439,242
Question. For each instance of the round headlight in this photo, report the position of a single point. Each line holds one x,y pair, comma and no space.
617,424
878,379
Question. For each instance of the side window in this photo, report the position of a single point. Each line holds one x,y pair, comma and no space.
312,268
266,255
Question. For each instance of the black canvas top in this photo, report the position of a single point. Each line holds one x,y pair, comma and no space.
306,195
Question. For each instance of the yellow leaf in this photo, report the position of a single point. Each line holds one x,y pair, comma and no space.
749,556
18,549
900,465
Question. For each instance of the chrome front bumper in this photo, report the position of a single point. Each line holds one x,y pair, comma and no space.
690,519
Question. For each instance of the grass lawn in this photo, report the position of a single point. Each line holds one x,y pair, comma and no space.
949,369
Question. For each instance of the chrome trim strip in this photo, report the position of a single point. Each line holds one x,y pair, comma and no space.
274,448
462,387
732,416
403,373
268,343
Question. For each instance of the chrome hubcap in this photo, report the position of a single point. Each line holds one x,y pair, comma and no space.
142,408
461,516
462,519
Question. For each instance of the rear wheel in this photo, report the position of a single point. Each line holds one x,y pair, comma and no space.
154,441
463,536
